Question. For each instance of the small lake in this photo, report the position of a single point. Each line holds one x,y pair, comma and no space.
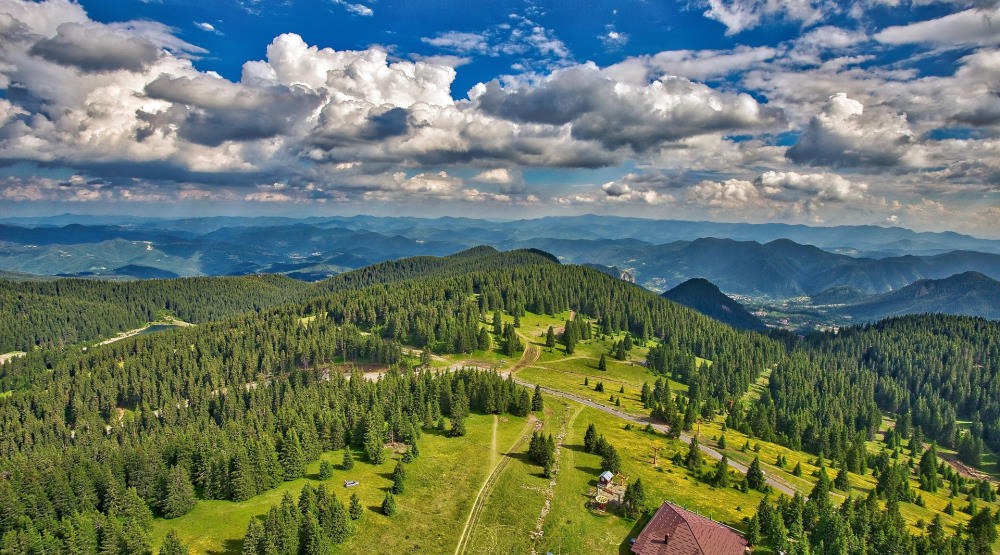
156,328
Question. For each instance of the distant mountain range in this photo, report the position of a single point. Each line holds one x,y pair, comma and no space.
770,261
868,241
968,294
703,296
779,269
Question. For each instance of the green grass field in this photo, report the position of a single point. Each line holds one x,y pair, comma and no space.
444,481
441,487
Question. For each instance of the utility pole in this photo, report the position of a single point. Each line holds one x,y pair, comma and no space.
656,451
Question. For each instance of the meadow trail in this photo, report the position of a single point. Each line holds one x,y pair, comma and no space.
487,487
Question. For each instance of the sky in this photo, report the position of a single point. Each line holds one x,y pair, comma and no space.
802,111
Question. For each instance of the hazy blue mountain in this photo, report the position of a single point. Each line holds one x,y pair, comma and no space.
968,293
867,241
658,254
703,296
780,268
840,294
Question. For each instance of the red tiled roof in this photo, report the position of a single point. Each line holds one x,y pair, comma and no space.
689,534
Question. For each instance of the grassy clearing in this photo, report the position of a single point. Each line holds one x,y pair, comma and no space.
441,487
572,527
510,513
861,485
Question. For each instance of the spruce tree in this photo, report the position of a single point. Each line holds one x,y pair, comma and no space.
755,476
356,510
603,363
389,504
842,482
721,477
291,457
172,545
178,495
325,470
590,438
693,459
550,338
610,461
398,478
253,539
311,538
537,403
348,462
373,440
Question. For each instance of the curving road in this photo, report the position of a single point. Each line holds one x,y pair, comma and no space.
777,484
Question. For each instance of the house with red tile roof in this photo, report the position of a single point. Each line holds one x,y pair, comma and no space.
674,530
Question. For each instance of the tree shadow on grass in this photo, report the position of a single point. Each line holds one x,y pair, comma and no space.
435,432
520,456
626,546
574,447
229,547
590,470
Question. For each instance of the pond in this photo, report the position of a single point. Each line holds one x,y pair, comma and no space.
156,328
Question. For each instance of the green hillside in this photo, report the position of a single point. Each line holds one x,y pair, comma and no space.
219,436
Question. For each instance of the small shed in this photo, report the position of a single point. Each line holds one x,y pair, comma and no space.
606,477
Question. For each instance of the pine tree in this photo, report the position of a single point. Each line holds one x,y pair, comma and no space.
356,510
590,438
172,545
693,459
928,470
603,363
373,438
550,338
325,470
292,460
721,477
634,501
842,482
178,495
389,504
253,539
537,403
753,531
348,462
755,476
398,478
311,538
610,461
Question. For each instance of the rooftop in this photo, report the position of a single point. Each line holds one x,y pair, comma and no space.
674,530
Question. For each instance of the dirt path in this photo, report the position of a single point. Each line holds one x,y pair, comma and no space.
487,487
550,491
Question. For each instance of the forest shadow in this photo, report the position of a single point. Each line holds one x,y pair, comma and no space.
229,547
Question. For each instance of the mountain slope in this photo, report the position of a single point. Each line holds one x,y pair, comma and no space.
703,296
968,294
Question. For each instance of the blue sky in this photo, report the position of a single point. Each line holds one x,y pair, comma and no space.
813,111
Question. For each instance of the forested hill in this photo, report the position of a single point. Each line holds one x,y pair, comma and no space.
67,311
703,296
929,370
480,258
968,293
231,408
